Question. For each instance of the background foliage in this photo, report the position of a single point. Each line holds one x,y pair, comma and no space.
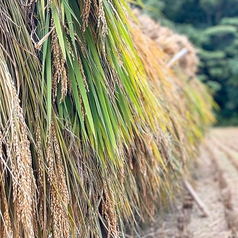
212,27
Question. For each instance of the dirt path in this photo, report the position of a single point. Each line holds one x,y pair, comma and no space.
215,180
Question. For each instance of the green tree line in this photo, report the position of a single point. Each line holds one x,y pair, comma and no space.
212,26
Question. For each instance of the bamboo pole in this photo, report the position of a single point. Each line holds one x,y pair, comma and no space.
196,198
178,56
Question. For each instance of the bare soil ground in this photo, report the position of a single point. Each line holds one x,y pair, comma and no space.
214,178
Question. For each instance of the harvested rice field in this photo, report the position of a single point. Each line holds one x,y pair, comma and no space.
214,179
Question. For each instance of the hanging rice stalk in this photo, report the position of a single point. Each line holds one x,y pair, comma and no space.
94,127
170,43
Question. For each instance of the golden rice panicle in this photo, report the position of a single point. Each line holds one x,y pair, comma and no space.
19,159
109,212
64,83
102,21
40,180
51,177
24,173
59,196
86,12
62,186
6,226
58,68
69,45
95,6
